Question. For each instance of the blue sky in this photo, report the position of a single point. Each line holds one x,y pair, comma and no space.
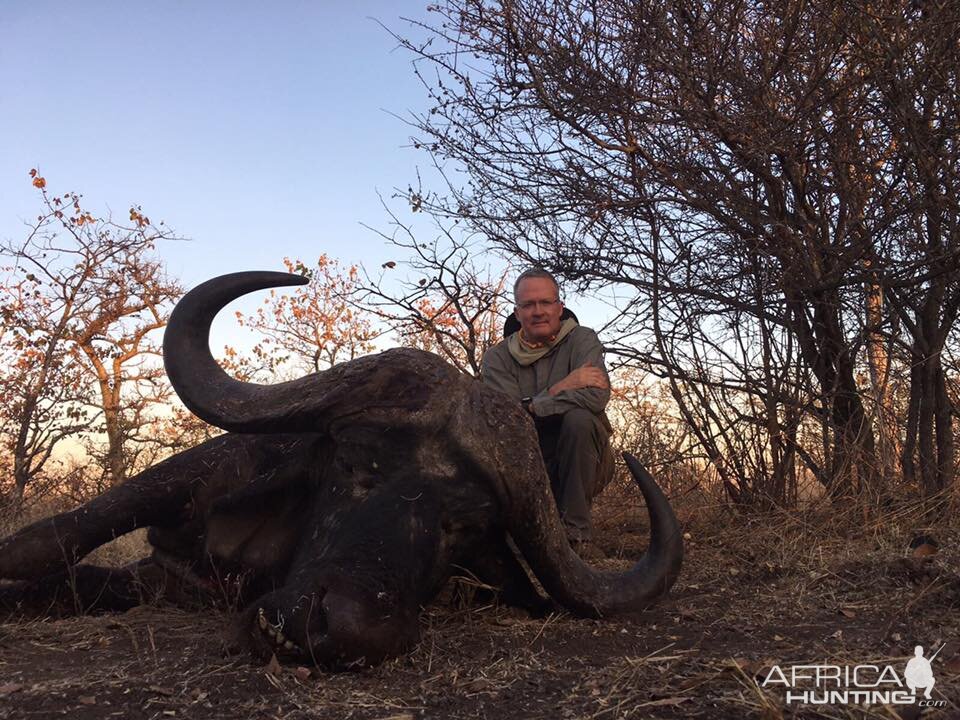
257,130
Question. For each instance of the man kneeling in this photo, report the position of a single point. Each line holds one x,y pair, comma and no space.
555,368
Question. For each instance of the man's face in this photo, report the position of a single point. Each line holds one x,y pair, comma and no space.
538,309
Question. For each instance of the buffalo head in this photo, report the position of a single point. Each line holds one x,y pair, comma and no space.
346,498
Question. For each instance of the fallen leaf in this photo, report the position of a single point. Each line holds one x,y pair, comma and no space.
8,688
302,673
847,612
273,667
477,685
87,700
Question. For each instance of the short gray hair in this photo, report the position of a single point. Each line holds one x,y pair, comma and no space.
534,273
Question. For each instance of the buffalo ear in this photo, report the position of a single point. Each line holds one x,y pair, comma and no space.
258,530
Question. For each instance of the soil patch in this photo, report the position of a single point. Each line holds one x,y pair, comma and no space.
749,598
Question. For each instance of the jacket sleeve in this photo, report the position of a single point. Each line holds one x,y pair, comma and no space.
496,373
587,348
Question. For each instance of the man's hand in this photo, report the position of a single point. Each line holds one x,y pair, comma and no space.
584,376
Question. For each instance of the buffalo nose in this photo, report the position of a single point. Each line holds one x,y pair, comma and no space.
363,630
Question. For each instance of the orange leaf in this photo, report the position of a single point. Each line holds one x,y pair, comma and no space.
39,182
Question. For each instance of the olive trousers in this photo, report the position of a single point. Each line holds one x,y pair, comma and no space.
576,451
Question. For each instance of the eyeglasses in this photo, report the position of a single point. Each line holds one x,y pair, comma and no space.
537,305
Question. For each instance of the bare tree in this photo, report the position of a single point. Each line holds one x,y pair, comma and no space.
910,58
447,304
730,162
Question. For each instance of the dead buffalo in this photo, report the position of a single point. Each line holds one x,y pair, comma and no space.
345,499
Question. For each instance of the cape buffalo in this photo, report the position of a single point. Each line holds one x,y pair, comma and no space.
345,498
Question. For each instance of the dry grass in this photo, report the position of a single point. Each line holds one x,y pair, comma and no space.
786,588
122,550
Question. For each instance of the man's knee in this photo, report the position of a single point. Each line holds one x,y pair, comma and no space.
578,423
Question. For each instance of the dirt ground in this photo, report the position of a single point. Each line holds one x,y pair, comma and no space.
753,594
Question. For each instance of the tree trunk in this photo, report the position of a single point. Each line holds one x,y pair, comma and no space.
912,431
944,420
826,352
929,427
115,461
878,359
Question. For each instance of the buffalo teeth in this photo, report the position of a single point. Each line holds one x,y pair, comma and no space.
275,633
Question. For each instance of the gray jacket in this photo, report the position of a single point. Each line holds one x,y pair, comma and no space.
502,372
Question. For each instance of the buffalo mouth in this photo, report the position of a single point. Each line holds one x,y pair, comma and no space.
334,628
273,635
290,630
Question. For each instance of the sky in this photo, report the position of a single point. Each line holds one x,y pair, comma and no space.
257,130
